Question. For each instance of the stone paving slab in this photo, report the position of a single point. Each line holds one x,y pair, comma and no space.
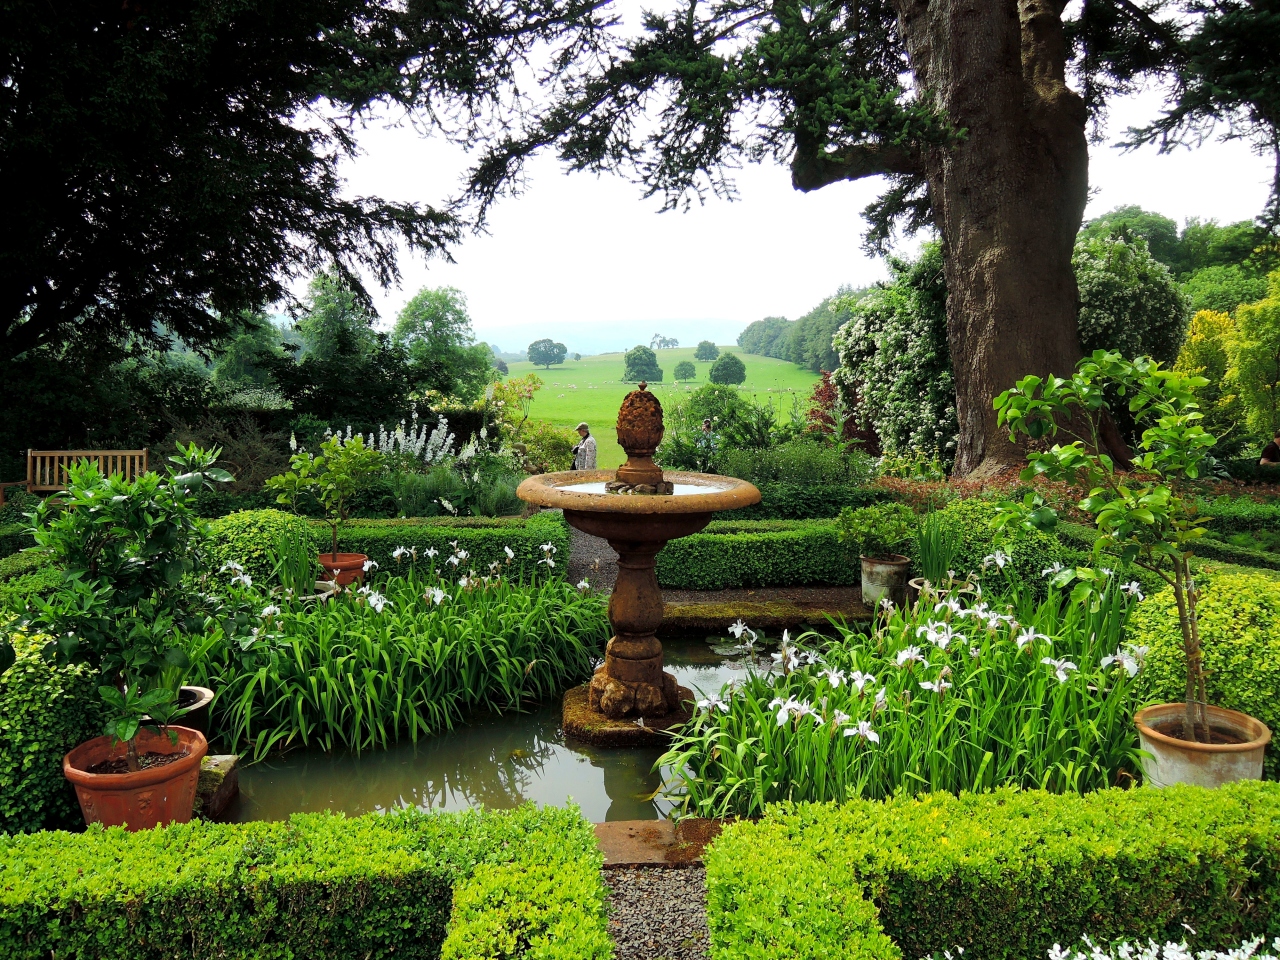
655,843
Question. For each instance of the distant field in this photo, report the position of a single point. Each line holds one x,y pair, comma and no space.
591,389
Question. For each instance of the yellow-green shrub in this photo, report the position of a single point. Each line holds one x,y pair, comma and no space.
248,537
1239,616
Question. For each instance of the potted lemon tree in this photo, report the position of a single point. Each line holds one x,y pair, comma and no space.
332,477
1142,519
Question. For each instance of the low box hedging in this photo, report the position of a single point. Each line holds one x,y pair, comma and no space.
1239,619
24,575
14,537
317,885
807,501
1005,874
247,537
756,553
1240,514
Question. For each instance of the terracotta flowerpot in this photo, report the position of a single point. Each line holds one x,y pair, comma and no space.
142,800
344,568
1204,764
885,577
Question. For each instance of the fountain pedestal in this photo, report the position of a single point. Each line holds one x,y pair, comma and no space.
637,510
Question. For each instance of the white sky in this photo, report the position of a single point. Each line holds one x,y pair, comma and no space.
591,263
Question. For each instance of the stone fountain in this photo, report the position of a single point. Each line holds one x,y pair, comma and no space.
631,700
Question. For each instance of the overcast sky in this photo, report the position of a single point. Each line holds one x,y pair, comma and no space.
589,262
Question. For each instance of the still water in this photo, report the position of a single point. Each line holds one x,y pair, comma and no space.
496,762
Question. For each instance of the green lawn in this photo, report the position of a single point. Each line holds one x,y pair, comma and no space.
591,389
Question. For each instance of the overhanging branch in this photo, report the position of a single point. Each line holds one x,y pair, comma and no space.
814,170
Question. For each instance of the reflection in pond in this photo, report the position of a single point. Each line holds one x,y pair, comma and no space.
497,762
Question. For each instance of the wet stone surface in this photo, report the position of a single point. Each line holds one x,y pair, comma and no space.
658,913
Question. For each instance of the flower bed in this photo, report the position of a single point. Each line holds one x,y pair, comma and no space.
1006,874
316,885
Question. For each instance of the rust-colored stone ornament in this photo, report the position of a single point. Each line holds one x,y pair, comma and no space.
631,699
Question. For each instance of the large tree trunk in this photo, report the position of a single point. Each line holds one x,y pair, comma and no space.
1008,198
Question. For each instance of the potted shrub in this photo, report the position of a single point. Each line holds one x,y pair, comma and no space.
143,772
127,549
878,532
1142,519
332,478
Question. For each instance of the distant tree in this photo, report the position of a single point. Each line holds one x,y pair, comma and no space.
659,342
435,328
770,337
729,369
544,353
810,336
641,363
1204,353
1128,300
706,351
244,359
333,313
577,356
501,366
1132,221
1223,288
1255,359
685,371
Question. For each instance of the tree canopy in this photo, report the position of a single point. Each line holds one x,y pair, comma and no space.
1129,301
728,370
685,371
545,352
706,351
171,165
641,363
435,328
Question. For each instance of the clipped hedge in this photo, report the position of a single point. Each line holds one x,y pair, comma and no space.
1030,551
1004,874
1239,514
1212,549
1239,616
45,711
24,575
14,537
317,885
482,537
807,501
248,537
756,553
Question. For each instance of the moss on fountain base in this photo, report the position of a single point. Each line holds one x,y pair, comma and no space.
591,726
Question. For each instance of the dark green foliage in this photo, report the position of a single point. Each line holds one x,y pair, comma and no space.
684,372
772,553
45,711
1238,514
436,329
798,462
1239,618
641,363
804,501
1030,552
544,353
1201,245
1159,232
728,370
1223,288
810,342
770,337
15,537
1006,874
706,351
248,537
26,575
376,886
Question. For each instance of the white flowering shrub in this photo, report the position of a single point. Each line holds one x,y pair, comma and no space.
1129,302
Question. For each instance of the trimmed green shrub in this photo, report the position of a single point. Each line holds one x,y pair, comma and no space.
15,536
24,575
1030,551
1239,616
1078,540
45,711
1005,874
747,553
482,537
248,537
318,885
1238,515
1212,549
803,501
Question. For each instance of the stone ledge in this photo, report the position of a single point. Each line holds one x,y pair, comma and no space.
218,785
590,726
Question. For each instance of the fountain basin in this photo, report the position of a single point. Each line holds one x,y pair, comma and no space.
582,491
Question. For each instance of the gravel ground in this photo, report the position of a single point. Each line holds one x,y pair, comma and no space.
592,558
658,913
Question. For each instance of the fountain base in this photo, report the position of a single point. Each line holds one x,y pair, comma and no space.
587,725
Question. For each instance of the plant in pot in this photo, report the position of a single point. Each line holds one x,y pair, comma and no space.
128,548
332,478
878,532
1142,518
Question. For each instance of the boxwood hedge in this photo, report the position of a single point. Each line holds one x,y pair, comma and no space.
14,537
1005,874
526,883
807,501
755,553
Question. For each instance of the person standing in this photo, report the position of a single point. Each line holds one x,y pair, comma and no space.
584,454
1271,453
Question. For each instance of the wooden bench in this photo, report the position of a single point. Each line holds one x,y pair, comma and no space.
47,469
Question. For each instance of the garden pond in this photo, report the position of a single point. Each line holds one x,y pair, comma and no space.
496,762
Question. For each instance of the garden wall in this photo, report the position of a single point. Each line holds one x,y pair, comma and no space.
523,883
1006,874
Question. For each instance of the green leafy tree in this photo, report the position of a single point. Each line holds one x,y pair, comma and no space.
435,328
545,353
706,351
1223,288
685,371
770,337
895,365
729,369
811,337
1131,222
247,358
641,363
335,319
1129,302
1255,359
1141,518
333,477
1205,353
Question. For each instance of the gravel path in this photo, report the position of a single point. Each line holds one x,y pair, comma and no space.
592,558
658,913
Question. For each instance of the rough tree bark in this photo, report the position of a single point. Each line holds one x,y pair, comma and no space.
1008,198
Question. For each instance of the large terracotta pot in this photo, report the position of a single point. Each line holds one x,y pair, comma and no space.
344,568
142,800
885,577
1203,764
